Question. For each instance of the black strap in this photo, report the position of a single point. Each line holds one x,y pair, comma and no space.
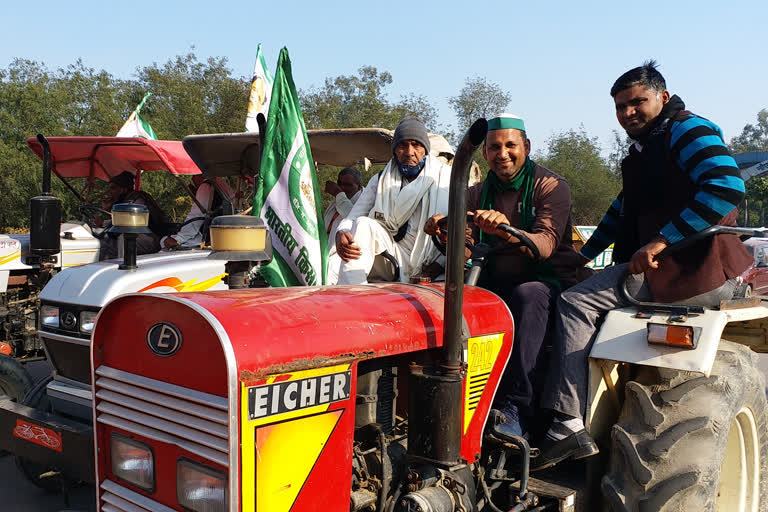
401,232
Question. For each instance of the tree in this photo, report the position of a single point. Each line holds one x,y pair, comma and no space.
575,156
360,101
72,101
753,138
478,98
619,150
190,97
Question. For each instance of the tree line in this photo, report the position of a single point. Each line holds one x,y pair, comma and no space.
191,96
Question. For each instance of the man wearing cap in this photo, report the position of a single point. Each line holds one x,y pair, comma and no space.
392,210
527,196
346,190
121,191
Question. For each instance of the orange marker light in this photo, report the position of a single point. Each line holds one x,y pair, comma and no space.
673,335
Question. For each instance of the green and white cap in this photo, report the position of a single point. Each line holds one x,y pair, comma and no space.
506,121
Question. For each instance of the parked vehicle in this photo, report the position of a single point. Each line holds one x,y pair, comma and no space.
379,398
29,261
755,278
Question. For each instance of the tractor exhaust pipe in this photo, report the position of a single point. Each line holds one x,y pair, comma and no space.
454,255
434,393
46,164
45,214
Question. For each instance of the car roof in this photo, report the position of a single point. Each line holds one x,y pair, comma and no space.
105,157
756,241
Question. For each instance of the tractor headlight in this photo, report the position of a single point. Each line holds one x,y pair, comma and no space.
200,488
49,316
87,321
132,461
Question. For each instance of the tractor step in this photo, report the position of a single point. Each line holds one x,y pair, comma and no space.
565,496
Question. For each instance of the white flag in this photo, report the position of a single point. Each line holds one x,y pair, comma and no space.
136,126
261,91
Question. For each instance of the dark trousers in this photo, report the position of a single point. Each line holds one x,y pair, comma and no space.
530,304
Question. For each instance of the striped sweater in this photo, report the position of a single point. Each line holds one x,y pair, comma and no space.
696,147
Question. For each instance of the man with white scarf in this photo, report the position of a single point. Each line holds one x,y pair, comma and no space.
391,211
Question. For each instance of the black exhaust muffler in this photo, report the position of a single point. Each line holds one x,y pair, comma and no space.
45,212
434,401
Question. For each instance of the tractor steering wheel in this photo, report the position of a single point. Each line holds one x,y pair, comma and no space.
89,213
524,240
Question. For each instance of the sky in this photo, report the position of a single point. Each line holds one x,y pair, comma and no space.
557,59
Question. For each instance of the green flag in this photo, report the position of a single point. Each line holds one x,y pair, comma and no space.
135,125
287,195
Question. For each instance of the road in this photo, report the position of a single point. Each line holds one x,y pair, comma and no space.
18,495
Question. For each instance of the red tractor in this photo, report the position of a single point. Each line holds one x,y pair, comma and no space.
378,398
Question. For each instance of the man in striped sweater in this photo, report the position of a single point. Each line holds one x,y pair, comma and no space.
678,179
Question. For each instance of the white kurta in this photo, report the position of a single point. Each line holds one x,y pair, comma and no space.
339,208
386,203
190,235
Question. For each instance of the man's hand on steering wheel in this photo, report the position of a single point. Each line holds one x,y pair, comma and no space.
92,215
488,221
437,227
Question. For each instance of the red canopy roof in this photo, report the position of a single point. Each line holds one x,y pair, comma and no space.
104,157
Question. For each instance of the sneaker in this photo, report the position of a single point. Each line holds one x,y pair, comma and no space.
513,424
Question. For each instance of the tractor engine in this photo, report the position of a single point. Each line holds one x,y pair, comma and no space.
18,319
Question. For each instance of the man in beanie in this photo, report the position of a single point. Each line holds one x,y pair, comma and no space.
392,210
121,191
527,196
678,179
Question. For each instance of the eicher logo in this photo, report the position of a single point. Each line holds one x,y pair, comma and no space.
294,395
164,339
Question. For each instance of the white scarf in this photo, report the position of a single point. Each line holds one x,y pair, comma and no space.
425,196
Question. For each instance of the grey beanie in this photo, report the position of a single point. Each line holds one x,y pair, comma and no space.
124,180
411,128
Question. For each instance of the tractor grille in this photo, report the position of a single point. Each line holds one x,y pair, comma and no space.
116,498
192,420
69,355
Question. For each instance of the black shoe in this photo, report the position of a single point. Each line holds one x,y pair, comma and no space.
576,446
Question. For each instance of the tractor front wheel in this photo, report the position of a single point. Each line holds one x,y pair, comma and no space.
15,380
689,442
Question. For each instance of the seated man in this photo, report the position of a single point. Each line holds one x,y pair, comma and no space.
209,198
121,191
678,179
392,210
537,201
345,191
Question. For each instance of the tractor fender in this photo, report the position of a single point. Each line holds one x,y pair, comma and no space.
623,338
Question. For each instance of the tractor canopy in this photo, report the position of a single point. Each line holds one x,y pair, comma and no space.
104,157
233,154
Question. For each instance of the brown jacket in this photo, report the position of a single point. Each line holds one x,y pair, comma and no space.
551,231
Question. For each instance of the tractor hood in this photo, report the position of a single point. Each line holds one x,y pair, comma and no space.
282,330
95,284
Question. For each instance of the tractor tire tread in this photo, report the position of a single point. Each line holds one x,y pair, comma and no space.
670,422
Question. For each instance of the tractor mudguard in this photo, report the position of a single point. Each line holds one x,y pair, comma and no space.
623,338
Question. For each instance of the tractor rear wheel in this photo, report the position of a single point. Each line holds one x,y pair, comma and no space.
689,442
15,380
